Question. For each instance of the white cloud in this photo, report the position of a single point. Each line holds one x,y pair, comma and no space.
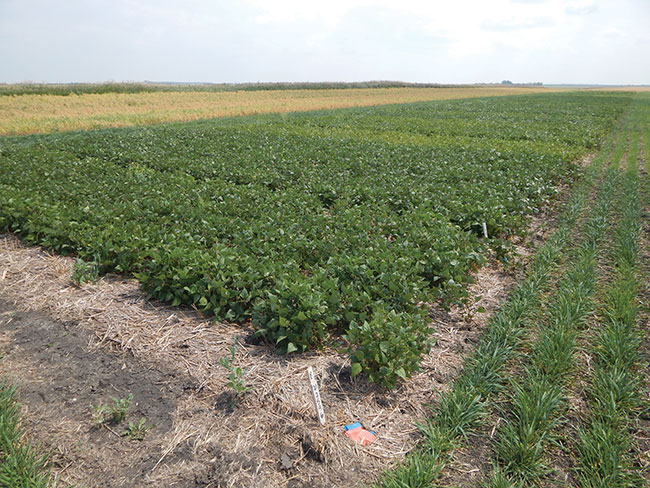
580,7
284,40
512,24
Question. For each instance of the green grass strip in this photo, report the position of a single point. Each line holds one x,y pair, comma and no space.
462,409
538,400
21,466
604,458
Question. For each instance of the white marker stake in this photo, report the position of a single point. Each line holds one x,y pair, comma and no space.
316,393
485,230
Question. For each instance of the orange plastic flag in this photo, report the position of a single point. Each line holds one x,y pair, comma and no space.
358,434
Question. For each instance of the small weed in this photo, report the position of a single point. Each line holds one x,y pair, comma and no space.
236,374
137,431
99,414
85,272
114,413
120,408
500,480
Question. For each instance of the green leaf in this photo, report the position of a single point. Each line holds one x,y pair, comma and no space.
355,369
291,348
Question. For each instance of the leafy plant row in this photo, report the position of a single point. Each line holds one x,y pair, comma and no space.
604,440
462,409
538,398
312,225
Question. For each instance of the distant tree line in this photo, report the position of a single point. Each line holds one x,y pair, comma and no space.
534,83
150,86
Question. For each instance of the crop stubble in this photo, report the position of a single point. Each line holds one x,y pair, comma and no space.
29,114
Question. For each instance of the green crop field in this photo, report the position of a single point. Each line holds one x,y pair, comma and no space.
556,393
322,228
337,230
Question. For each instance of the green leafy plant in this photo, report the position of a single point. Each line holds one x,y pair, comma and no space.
235,373
485,376
115,413
137,430
84,271
22,464
388,348
99,414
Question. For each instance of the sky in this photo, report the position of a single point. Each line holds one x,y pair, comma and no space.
477,41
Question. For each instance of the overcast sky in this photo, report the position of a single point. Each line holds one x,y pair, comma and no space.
553,41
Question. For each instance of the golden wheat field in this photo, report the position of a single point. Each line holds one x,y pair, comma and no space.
29,114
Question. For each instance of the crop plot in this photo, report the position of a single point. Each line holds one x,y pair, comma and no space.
555,393
50,108
324,228
334,230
